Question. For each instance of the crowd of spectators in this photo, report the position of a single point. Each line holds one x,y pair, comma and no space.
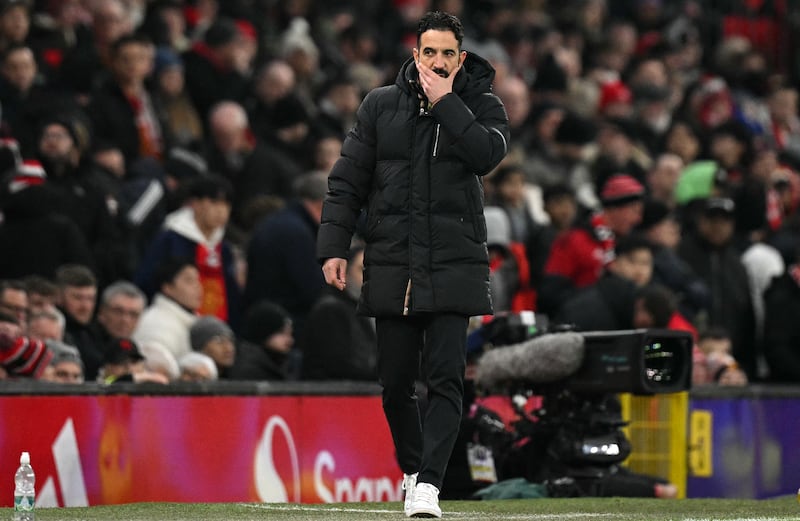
164,163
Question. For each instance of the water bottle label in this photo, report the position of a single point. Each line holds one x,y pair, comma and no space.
23,503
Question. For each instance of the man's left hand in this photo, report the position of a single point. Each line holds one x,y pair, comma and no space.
434,86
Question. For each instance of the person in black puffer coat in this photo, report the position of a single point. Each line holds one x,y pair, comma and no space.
414,160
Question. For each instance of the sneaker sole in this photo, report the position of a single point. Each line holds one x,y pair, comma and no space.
425,515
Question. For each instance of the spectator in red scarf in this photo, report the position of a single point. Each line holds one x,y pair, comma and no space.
577,257
196,231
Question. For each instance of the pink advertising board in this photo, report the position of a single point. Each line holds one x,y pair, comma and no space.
95,450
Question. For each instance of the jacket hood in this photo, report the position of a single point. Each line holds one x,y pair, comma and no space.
182,222
474,77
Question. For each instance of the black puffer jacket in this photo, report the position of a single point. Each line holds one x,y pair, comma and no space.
417,173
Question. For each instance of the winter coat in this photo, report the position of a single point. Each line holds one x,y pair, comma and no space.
781,327
114,120
209,81
255,362
90,343
167,323
37,240
731,302
338,344
418,171
281,265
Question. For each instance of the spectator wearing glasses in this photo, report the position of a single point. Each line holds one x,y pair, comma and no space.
121,305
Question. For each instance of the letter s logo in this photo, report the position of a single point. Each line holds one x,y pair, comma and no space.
269,484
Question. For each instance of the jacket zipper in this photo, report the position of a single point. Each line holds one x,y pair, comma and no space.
436,141
407,295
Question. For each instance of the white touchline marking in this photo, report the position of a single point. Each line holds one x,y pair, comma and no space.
305,508
477,515
738,519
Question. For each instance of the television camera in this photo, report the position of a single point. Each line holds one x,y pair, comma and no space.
573,441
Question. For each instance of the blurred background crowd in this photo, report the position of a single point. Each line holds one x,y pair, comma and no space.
164,164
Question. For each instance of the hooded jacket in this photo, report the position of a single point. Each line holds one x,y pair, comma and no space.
417,171
181,238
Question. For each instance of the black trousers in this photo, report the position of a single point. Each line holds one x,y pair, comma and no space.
431,348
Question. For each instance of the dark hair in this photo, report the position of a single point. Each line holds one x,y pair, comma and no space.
40,285
714,333
631,243
213,187
12,284
660,302
222,32
129,39
504,172
167,270
557,190
75,275
439,21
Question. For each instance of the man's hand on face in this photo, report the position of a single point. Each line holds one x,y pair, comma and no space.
433,84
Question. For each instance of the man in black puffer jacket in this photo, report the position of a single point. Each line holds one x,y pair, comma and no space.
413,160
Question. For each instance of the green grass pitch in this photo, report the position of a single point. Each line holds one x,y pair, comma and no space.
591,509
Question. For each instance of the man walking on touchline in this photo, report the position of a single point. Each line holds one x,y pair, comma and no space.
413,161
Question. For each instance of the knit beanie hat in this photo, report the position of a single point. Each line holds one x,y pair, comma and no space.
206,328
23,356
498,227
29,173
263,320
76,126
63,352
621,189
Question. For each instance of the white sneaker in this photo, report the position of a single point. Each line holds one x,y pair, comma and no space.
409,483
425,502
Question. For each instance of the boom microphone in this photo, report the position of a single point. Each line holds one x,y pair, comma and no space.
543,359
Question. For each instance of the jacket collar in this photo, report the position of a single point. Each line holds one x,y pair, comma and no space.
476,76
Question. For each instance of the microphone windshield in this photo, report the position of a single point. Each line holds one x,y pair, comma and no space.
540,360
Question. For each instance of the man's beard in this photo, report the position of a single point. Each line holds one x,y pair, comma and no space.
55,165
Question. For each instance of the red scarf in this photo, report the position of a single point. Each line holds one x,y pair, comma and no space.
604,236
212,278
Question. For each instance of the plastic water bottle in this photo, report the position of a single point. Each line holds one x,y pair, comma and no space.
24,492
